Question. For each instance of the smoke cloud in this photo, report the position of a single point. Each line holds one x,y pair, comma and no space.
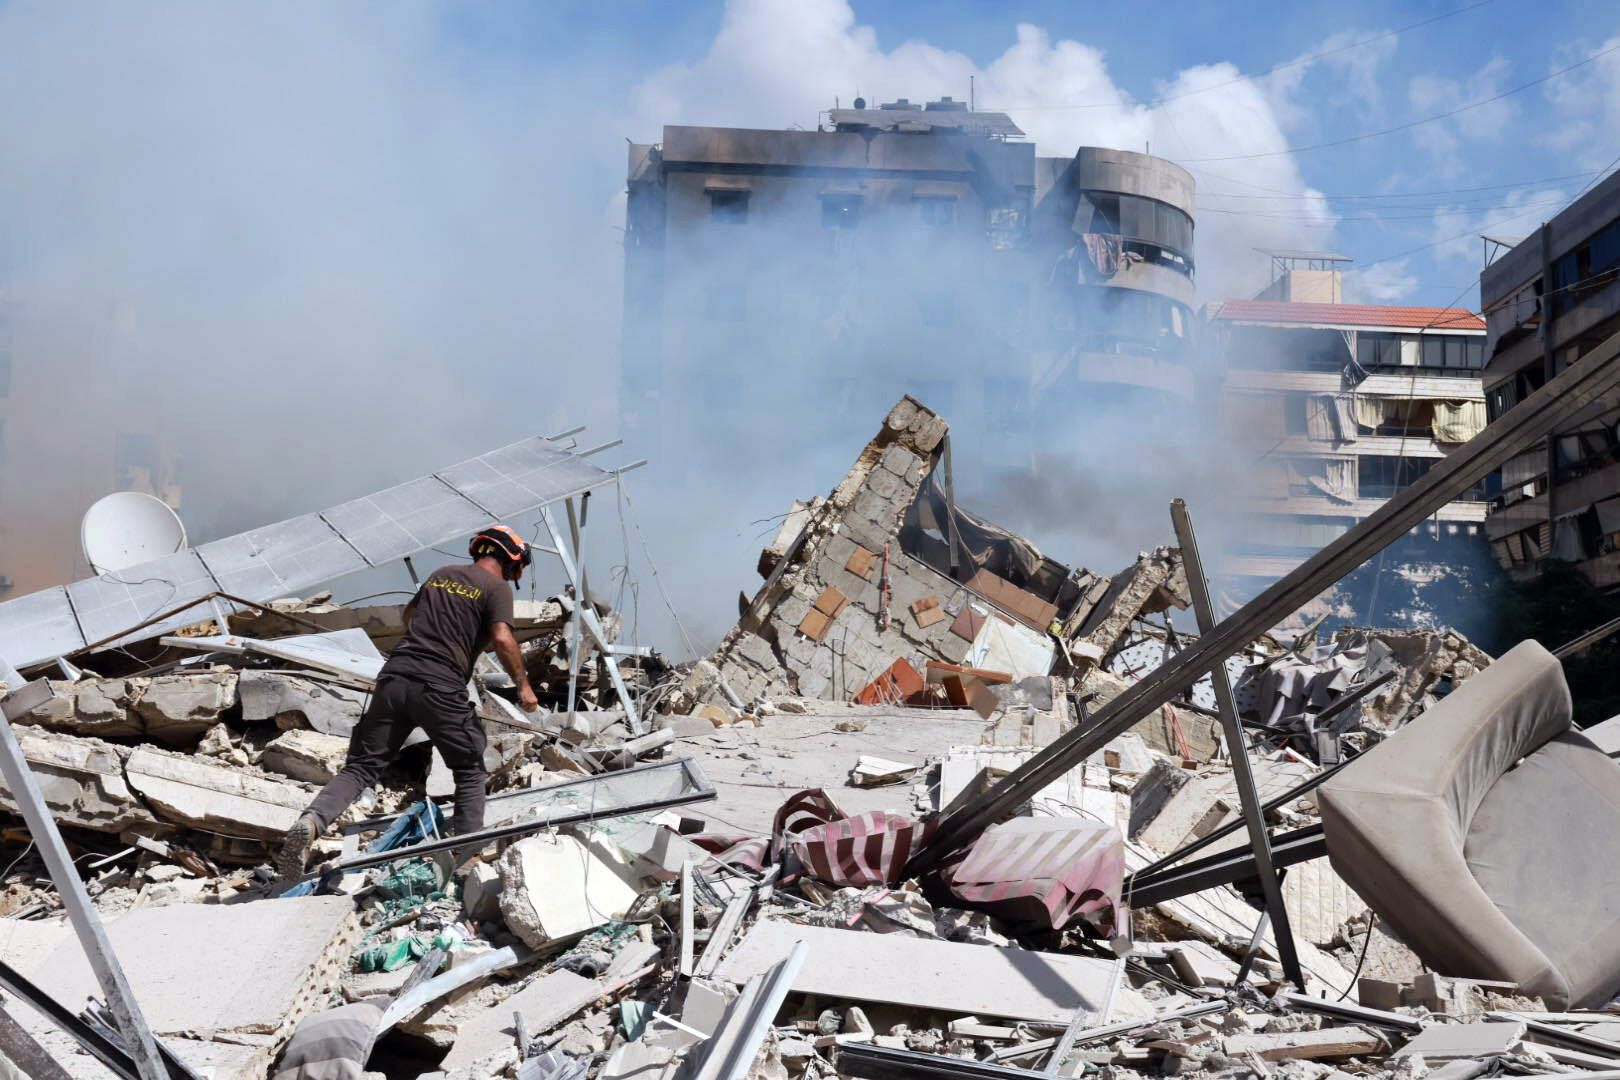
324,248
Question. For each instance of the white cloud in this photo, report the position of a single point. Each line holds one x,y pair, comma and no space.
1456,230
1431,95
774,63
1386,283
1586,108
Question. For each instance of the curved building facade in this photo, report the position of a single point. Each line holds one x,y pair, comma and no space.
1115,230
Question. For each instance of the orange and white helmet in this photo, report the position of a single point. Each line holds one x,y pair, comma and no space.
504,544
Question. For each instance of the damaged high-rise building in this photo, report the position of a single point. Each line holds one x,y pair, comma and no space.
905,248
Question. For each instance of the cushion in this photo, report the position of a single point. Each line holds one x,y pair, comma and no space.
1545,846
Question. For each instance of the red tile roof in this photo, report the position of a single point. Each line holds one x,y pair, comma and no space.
1405,318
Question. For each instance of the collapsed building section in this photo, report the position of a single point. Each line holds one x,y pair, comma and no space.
886,586
764,879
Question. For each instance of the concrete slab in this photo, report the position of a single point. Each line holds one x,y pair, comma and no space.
216,798
980,980
1479,1040
755,769
543,1004
82,780
292,701
210,969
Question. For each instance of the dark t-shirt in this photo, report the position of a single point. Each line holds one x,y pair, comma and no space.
455,608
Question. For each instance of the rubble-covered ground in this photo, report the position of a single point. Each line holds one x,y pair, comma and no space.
900,656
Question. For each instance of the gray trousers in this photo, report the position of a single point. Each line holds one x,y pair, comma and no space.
397,706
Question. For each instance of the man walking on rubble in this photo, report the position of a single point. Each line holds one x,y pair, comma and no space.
456,614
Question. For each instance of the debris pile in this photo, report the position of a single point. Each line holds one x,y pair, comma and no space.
719,871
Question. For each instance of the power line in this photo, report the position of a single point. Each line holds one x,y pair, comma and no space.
1348,139
1308,58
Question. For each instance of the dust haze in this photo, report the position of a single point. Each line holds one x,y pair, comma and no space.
325,248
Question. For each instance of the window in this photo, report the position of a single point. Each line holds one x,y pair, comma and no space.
728,207
1434,349
1454,353
1476,354
840,211
1382,477
1378,350
939,210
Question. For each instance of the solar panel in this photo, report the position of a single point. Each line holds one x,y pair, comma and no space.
279,559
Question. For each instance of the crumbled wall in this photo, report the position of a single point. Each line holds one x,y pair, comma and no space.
766,654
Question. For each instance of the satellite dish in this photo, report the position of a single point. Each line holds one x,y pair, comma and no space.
128,528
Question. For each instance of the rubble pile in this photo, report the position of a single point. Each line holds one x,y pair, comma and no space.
718,876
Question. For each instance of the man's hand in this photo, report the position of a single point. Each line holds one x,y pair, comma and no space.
511,658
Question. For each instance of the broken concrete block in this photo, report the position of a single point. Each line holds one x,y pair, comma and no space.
1154,791
56,713
1198,963
1319,902
82,780
1484,1039
305,755
481,893
543,1004
553,886
176,709
215,798
654,851
95,707
292,701
1329,1042
716,715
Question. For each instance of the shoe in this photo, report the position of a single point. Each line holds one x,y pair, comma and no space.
294,853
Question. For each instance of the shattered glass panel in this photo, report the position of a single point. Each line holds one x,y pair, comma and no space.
271,562
37,627
599,795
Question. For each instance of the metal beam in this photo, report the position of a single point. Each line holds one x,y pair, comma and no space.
24,1051
700,792
1542,412
593,626
81,913
1242,773
1228,867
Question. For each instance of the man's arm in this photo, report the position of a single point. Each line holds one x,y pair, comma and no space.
511,658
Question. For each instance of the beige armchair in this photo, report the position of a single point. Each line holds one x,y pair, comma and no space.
1487,835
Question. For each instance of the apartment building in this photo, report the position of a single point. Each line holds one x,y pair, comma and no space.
1548,300
907,248
1340,406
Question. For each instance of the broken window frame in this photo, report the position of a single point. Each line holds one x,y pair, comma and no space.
728,206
